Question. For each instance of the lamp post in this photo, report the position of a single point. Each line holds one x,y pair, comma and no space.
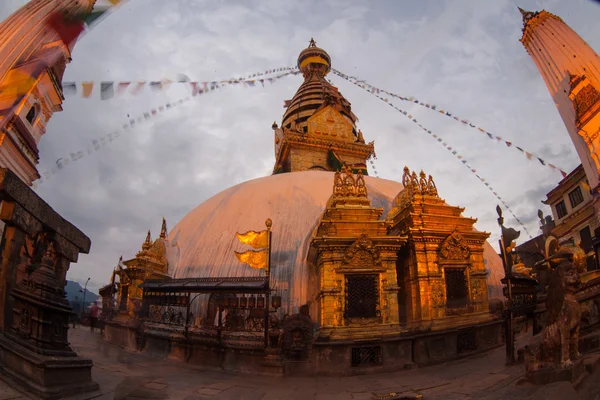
83,301
506,243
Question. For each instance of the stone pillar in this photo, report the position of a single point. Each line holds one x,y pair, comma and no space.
37,247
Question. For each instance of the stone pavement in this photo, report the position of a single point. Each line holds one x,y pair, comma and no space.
126,375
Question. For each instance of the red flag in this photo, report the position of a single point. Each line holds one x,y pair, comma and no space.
68,29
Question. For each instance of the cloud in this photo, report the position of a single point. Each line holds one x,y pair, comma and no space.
462,55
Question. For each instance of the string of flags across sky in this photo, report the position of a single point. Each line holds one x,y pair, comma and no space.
110,89
446,146
374,90
97,144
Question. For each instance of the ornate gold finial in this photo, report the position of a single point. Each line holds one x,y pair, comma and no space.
148,242
312,43
431,188
163,229
345,184
419,184
406,177
361,186
268,223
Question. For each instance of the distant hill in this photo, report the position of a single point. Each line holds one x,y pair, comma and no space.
74,293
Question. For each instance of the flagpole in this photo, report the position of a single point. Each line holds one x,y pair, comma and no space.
268,223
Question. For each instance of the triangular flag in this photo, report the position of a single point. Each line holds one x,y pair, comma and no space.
122,87
137,88
107,90
68,28
69,88
86,89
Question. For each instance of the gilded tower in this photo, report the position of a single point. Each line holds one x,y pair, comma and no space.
318,130
33,59
571,70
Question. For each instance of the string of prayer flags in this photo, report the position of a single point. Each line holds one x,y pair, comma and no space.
374,90
450,149
108,91
97,144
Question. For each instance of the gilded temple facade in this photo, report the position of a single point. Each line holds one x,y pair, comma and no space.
363,272
420,267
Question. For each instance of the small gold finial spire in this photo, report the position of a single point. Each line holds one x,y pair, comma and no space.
312,43
163,229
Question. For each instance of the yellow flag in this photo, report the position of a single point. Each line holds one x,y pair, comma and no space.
258,240
255,259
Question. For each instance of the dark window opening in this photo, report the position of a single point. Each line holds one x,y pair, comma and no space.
586,244
366,356
561,209
456,288
576,197
362,296
124,297
31,115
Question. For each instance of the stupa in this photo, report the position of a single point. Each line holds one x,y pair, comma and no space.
368,272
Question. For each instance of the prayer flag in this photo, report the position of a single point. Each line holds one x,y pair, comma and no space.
107,90
255,259
68,28
86,88
69,88
137,88
122,87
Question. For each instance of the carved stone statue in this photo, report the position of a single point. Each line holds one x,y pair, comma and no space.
560,338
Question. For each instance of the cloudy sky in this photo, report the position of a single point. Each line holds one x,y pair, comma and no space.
462,55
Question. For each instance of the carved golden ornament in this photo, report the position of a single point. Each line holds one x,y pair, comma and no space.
346,185
454,247
585,99
437,294
476,289
362,253
419,184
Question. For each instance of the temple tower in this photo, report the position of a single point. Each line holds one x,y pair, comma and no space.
318,131
33,58
571,70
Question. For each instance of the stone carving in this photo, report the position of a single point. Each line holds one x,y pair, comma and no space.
437,294
362,253
39,246
297,336
420,184
559,344
455,248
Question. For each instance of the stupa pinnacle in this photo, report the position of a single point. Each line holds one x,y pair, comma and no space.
318,130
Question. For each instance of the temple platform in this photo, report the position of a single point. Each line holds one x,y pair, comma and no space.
244,352
125,374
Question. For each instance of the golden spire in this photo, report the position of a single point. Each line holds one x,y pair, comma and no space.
163,229
314,59
148,242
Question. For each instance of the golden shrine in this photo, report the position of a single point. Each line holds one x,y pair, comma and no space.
364,272
149,263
